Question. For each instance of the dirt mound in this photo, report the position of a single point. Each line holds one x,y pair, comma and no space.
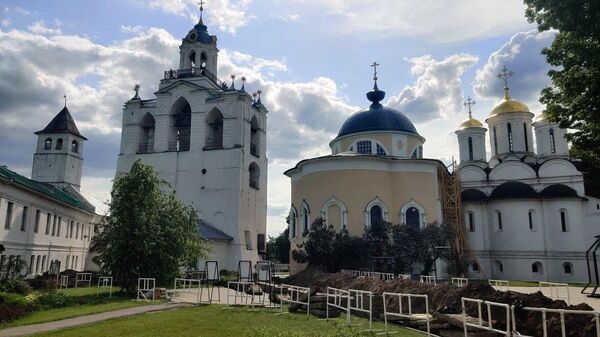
446,299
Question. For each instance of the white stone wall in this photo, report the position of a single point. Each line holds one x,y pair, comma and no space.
58,166
477,136
500,123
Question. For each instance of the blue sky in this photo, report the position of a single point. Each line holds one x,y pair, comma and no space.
310,57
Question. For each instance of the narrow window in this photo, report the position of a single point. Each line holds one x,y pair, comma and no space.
248,238
293,225
552,142
510,138
48,144
75,146
71,229
475,266
364,147
495,142
9,211
43,263
305,219
77,231
471,222
67,262
563,220
48,219
37,264
59,144
499,267
254,137
36,226
413,218
24,218
31,262
254,173
58,228
54,225
568,268
376,215
499,217
470,148
530,218
525,135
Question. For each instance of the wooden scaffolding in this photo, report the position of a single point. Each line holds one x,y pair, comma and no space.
452,211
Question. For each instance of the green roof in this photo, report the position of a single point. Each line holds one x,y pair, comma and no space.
46,189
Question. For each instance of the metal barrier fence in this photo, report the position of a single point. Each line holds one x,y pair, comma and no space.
83,278
105,282
555,290
404,276
356,302
351,272
280,269
460,281
296,295
480,322
187,286
372,274
405,312
64,281
338,299
501,285
146,284
562,313
428,280
240,293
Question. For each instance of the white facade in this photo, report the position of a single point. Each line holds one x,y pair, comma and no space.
526,215
208,141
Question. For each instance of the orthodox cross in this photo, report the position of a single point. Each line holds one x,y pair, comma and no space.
65,97
505,74
201,3
469,103
375,65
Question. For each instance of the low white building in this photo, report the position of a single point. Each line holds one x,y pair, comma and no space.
526,213
207,139
46,218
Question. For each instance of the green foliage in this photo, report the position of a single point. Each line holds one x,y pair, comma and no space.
16,285
278,248
149,232
317,250
13,306
53,299
12,269
575,54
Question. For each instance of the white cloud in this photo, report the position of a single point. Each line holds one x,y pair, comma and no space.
5,22
433,20
226,15
132,29
288,17
40,27
437,91
522,56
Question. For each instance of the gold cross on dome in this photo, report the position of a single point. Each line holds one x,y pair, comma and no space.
469,102
375,65
201,3
505,74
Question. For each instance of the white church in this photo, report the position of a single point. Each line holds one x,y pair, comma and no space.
207,139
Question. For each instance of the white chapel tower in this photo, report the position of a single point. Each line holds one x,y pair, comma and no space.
207,139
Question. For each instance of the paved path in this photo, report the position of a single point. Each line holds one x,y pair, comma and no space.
76,321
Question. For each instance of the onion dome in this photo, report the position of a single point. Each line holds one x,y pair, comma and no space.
541,118
200,31
377,118
471,123
508,105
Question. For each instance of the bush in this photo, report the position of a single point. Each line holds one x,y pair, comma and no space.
13,306
53,299
17,286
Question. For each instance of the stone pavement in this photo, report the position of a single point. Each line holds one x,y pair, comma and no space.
76,321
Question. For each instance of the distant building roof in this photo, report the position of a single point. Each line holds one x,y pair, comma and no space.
62,123
209,232
47,190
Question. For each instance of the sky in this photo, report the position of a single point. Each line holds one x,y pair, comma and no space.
310,58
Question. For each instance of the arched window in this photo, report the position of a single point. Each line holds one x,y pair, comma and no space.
214,130
380,150
254,137
470,148
203,60
305,217
293,216
48,144
59,144
254,173
475,266
499,266
471,222
413,217
363,146
552,141
193,59
147,127
510,137
536,268
568,268
179,138
564,226
525,135
75,146
376,215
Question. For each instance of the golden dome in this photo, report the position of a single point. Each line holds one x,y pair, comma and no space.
470,123
542,117
508,105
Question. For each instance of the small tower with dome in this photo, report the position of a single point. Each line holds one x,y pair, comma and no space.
471,139
550,138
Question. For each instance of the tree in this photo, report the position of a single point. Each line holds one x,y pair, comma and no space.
148,232
318,249
278,248
575,93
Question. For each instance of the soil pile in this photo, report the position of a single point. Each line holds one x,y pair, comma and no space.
446,299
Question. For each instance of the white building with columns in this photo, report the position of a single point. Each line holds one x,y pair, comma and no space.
207,139
46,218
526,213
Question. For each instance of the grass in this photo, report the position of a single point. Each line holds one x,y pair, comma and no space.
214,321
85,302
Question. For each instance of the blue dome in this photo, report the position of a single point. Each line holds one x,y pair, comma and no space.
377,118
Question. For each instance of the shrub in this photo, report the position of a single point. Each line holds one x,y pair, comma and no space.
54,299
17,286
13,306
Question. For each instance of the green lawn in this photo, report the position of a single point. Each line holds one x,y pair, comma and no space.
86,303
215,321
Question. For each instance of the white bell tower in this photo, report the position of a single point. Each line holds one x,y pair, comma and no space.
198,50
